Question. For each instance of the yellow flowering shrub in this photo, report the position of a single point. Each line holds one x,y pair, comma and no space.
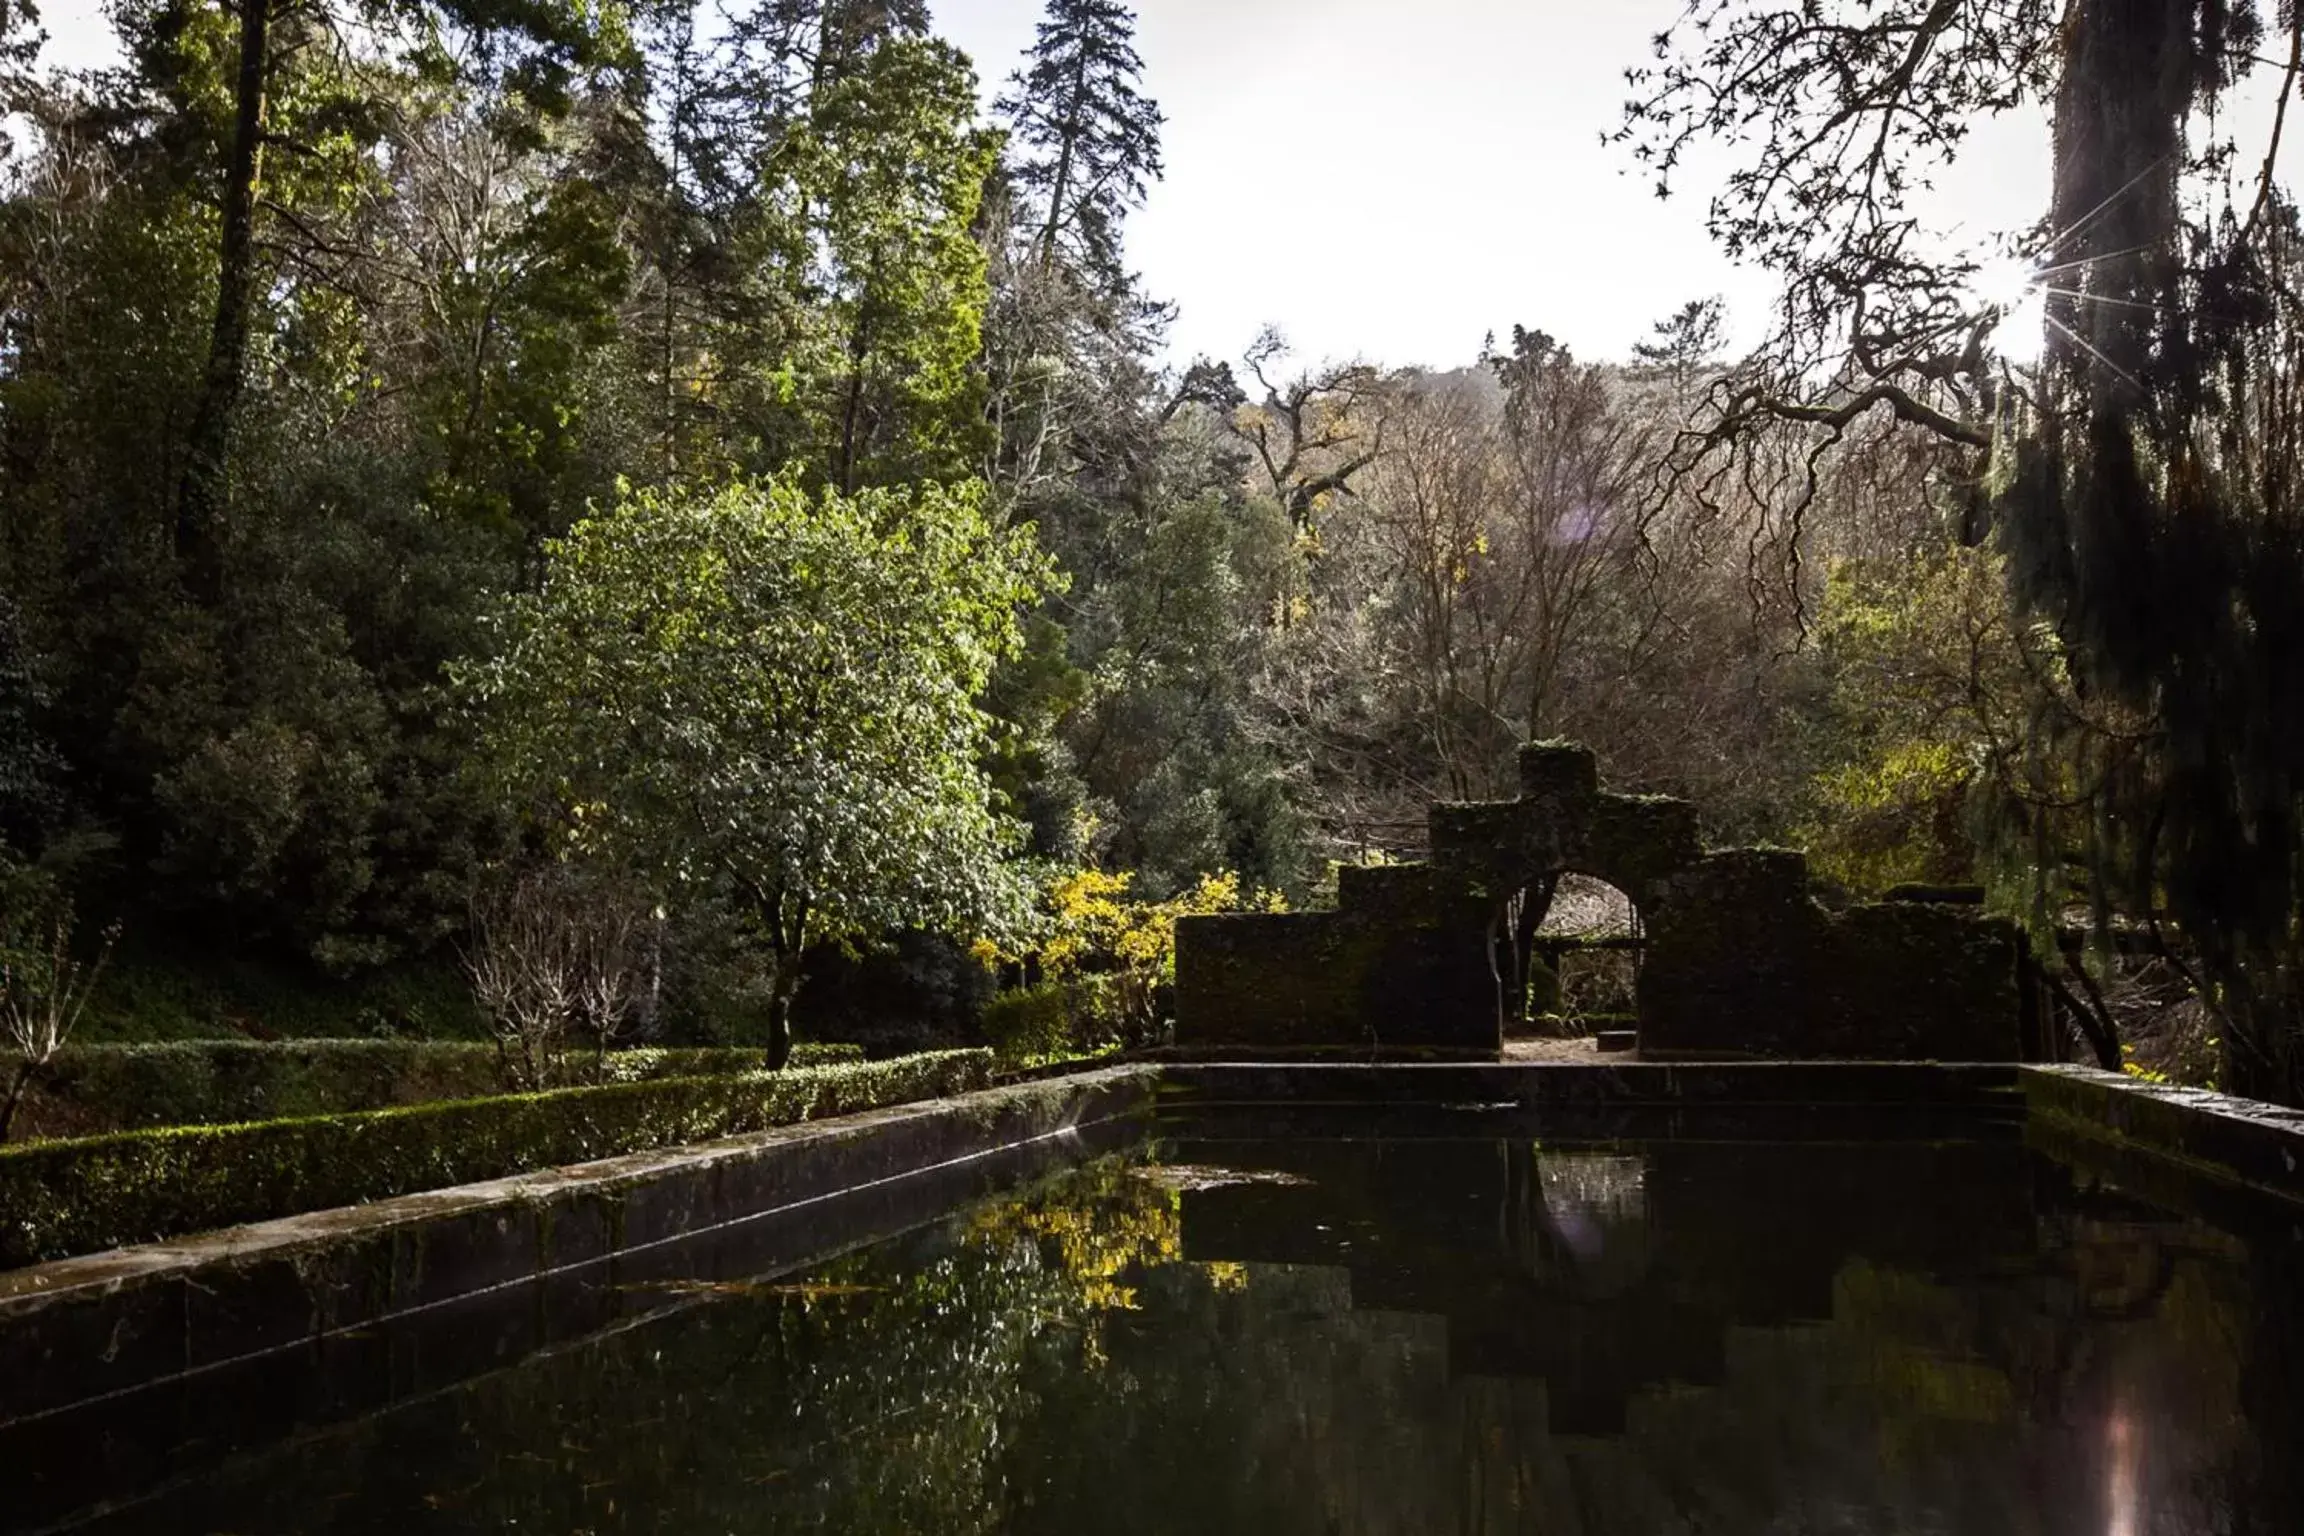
1100,965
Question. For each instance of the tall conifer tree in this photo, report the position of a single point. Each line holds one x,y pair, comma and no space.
1091,137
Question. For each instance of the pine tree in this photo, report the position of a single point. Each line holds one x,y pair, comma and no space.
1684,345
1091,137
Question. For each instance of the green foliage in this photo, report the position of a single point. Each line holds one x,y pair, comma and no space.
530,285
774,694
158,992
1929,687
1033,1023
865,289
92,1090
69,1197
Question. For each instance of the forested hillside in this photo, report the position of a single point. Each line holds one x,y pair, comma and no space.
670,520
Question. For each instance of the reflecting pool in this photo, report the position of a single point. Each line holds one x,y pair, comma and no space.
1423,1333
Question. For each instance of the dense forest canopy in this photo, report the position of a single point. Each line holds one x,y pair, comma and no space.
693,470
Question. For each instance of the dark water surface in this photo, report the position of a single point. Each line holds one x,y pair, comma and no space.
1421,1334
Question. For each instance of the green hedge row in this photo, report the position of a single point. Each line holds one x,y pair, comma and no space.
96,1089
65,1197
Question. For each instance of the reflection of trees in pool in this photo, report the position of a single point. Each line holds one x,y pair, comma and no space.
876,1398
1468,1337
1905,1366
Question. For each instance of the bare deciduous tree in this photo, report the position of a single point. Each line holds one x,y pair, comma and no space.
562,959
43,992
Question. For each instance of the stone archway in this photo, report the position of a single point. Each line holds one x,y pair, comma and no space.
1563,823
1740,960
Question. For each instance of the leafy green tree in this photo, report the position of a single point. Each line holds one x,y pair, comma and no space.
773,693
1929,689
515,278
532,49
849,346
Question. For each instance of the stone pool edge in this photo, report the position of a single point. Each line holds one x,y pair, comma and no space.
84,1328
2229,1140
97,1326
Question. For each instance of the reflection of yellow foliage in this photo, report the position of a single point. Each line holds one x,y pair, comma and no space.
1913,1355
1096,1229
1932,1386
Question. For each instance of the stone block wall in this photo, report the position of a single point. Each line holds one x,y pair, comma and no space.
1375,980
1727,968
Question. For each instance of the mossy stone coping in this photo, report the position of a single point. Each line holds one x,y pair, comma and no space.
70,1197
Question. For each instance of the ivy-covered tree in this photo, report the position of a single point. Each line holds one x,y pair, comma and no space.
2142,479
772,695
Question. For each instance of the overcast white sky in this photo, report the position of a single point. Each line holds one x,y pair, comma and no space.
1395,180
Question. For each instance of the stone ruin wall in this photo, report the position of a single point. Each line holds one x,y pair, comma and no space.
1740,959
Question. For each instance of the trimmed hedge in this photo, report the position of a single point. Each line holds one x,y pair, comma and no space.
94,1090
66,1197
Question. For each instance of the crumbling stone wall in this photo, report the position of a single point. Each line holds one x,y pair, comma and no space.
1740,961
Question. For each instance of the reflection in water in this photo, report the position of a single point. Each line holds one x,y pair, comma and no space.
1588,1194
1411,1336
2123,1495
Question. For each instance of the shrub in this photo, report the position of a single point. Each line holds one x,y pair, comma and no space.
43,991
67,1197
1105,959
98,1089
1031,1022
560,961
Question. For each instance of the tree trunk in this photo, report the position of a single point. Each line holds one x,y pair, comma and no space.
781,994
2126,85
852,410
200,491
24,1071
1061,183
1534,903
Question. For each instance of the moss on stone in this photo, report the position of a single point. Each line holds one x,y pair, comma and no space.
98,1089
79,1196
1741,959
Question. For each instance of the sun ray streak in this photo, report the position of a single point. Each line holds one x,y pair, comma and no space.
2081,261
2090,347
2077,225
2099,298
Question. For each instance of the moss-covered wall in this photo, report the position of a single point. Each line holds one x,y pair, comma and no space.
1726,970
1344,978
1740,960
